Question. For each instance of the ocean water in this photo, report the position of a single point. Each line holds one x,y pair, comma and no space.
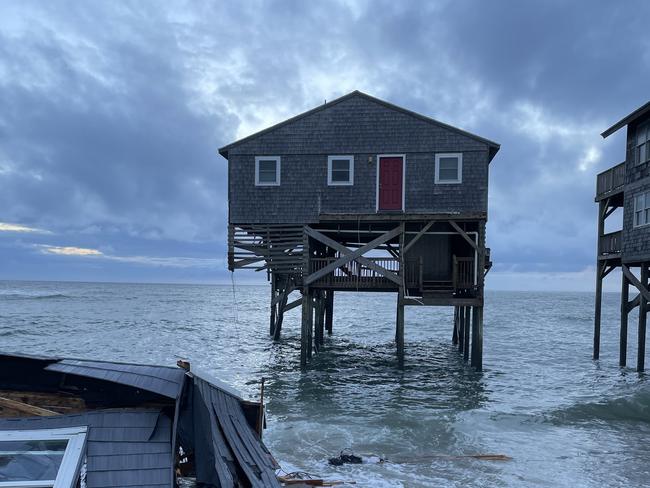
565,420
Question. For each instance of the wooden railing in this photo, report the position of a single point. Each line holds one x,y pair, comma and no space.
355,275
610,243
610,180
463,272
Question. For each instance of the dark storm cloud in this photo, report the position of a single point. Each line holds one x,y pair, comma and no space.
112,111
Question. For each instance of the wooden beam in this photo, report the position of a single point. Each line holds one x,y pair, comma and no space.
352,255
26,408
632,304
635,281
417,236
464,234
294,304
597,310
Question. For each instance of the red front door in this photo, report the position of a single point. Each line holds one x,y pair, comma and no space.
390,183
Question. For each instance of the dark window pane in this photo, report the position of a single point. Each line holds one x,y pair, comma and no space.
267,171
340,176
448,169
340,165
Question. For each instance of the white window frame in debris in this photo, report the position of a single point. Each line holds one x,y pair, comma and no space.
331,181
265,159
68,471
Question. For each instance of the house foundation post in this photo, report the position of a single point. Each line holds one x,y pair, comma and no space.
329,311
466,330
273,305
625,296
643,317
454,334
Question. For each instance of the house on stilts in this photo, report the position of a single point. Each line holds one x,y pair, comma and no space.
626,186
362,195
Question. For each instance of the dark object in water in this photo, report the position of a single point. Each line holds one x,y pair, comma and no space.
345,457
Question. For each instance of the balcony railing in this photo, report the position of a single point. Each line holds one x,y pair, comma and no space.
610,180
463,273
355,275
610,243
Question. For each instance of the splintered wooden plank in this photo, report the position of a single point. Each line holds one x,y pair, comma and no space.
26,408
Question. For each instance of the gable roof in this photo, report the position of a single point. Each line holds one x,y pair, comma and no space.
628,119
493,146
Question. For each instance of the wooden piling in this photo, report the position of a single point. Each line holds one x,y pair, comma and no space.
466,331
329,311
399,326
319,324
273,305
477,338
310,326
597,311
625,297
643,317
454,334
304,330
461,329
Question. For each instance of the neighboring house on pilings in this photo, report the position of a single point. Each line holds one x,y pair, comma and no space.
311,197
626,185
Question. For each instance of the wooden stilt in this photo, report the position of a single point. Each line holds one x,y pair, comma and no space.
319,323
304,331
625,296
454,334
329,311
273,305
461,329
477,338
466,329
602,207
643,317
280,316
399,326
597,311
310,325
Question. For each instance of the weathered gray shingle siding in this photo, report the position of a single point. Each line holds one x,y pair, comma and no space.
636,240
127,447
360,127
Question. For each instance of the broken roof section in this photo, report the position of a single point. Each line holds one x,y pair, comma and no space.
628,119
493,146
162,380
130,437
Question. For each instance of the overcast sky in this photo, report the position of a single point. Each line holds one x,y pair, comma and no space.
111,114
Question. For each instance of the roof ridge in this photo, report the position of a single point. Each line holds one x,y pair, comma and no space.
224,150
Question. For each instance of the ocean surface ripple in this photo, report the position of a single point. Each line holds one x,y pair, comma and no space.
565,420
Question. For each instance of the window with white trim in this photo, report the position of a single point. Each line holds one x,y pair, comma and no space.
41,458
449,168
340,170
643,143
642,209
267,170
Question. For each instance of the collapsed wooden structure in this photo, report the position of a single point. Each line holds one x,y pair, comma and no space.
626,186
73,422
361,195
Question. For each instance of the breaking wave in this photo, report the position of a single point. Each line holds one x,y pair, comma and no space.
33,296
633,408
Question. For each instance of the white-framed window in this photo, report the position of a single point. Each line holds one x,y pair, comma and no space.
642,209
340,170
449,168
43,458
642,148
267,170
